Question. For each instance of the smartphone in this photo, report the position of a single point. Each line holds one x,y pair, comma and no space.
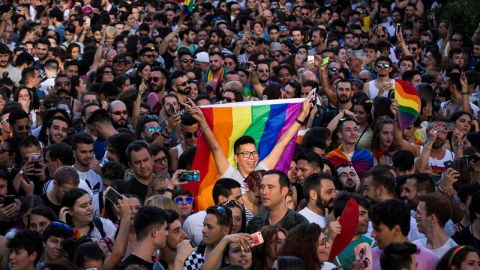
172,109
310,58
246,66
112,195
448,164
398,28
312,92
8,199
189,176
450,126
325,61
23,176
257,239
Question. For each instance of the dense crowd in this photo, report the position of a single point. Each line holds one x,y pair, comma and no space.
102,102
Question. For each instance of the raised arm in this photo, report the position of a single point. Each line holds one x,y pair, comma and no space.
332,98
374,12
422,161
257,87
121,242
272,159
98,54
163,47
220,160
136,105
465,103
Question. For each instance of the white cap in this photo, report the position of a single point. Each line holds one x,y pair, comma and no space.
202,57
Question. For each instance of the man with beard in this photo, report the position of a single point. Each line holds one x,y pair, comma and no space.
187,40
317,38
87,166
347,256
378,185
417,184
140,160
259,77
188,129
383,84
249,45
273,191
342,98
6,57
215,74
217,38
185,59
347,177
148,128
158,81
57,130
119,115
19,124
41,46
319,192
100,125
347,131
180,85
307,164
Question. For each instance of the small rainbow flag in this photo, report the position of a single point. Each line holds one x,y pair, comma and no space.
188,7
409,103
265,121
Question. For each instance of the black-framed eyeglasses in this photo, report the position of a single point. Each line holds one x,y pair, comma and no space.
152,129
187,200
380,65
183,84
161,160
247,154
22,127
187,61
189,135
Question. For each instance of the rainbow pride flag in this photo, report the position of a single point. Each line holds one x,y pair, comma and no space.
188,7
265,121
409,103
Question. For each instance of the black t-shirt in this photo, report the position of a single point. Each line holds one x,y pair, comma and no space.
465,238
168,60
132,259
54,207
138,188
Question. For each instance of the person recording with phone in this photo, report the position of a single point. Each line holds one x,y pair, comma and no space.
9,207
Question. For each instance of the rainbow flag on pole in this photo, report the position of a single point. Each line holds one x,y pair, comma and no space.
409,103
265,121
188,7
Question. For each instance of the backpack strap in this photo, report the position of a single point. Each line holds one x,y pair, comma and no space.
99,225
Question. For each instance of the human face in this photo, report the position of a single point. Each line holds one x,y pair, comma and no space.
327,194
172,101
184,209
82,210
471,262
83,154
284,76
228,97
75,52
20,259
160,163
441,136
4,60
42,51
188,133
349,132
384,70
322,247
175,235
405,66
423,220
216,62
342,56
229,63
464,123
182,86
273,34
212,231
142,163
186,62
135,205
360,114
54,248
239,257
369,190
237,219
21,127
456,41
305,169
119,114
271,193
58,132
363,220
72,71
383,235
409,193
386,136
38,223
457,59
289,92
344,92
263,72
151,131
24,95
347,177
246,164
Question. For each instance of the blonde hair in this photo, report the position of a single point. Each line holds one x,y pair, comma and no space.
156,180
161,202
110,31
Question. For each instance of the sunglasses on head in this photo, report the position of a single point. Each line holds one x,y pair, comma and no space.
189,135
61,225
380,65
187,200
152,129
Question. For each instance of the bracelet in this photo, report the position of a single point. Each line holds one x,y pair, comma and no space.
458,145
464,93
169,190
426,147
298,121
441,189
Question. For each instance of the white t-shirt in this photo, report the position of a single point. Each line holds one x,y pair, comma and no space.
438,251
235,174
312,217
94,180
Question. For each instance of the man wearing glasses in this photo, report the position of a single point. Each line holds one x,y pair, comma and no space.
383,84
188,129
119,115
348,177
19,124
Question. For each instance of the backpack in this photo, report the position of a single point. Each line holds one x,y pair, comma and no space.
99,225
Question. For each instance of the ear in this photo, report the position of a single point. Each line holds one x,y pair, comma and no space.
339,134
318,170
312,194
221,199
142,135
33,256
47,132
235,157
102,96
284,191
55,184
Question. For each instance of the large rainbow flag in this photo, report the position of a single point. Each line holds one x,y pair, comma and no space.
409,103
265,121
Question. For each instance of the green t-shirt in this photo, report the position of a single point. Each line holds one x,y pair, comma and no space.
347,257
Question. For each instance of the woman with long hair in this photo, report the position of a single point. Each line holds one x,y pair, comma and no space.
459,258
105,73
382,145
142,74
464,122
239,219
362,109
264,255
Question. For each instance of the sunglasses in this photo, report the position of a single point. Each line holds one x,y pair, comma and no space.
283,29
414,49
381,36
228,99
120,112
183,84
251,43
186,61
61,225
156,79
333,69
65,98
62,84
21,128
189,135
408,34
3,151
152,129
187,200
456,40
149,55
380,65
108,73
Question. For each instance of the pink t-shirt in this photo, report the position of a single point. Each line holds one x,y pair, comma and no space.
426,259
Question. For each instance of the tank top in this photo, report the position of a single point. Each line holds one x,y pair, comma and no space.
373,90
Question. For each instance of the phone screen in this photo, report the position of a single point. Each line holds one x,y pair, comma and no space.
112,195
189,176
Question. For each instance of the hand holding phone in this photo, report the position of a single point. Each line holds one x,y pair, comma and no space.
112,195
257,239
189,176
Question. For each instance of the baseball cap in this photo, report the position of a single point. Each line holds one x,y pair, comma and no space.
202,57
